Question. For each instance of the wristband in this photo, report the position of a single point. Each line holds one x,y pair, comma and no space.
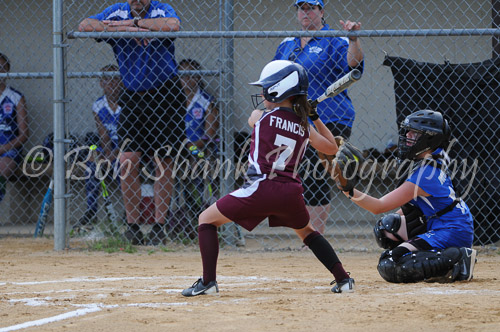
136,21
314,117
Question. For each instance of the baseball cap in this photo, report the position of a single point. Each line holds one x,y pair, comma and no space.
310,2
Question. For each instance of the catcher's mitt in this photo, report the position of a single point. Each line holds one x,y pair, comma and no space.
347,163
328,161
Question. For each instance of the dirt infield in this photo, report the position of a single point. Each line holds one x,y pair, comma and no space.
43,290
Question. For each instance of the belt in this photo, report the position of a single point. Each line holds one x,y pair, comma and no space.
154,89
142,93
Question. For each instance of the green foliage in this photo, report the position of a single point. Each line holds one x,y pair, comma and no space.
165,249
111,245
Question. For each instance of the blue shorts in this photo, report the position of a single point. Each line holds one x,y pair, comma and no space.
281,202
446,238
15,154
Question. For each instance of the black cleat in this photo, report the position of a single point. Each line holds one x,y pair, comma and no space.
345,286
156,236
467,264
134,235
199,288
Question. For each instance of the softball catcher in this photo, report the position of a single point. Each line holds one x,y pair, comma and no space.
430,236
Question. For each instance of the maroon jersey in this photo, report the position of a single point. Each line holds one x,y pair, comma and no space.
278,146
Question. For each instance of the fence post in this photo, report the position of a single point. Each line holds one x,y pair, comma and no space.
59,99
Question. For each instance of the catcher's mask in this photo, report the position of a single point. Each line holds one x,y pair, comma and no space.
429,132
279,80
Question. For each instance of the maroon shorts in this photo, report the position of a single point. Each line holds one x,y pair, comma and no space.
281,202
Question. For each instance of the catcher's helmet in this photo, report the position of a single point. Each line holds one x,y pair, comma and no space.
432,132
281,79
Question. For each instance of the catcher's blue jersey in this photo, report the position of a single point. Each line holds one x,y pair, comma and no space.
454,228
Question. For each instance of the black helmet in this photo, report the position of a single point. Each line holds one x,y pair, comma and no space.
432,131
281,79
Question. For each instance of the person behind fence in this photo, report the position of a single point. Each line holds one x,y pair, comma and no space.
201,112
273,187
430,237
106,114
201,131
152,117
13,126
325,59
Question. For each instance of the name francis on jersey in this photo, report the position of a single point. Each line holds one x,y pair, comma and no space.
287,125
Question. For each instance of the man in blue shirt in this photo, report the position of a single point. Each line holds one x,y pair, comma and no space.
325,59
153,104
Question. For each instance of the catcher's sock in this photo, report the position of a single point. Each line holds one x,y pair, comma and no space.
339,273
398,252
326,255
209,249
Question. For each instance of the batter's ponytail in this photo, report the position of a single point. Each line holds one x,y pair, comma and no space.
302,108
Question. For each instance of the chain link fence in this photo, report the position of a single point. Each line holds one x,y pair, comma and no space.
417,54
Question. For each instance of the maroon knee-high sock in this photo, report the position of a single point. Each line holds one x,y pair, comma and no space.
209,249
326,255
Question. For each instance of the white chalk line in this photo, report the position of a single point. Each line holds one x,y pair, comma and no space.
111,279
43,321
79,280
236,282
94,307
440,291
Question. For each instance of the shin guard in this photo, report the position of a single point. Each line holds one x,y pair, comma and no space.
420,266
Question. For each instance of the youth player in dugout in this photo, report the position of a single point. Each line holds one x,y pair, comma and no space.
430,237
106,113
281,131
325,60
13,126
153,105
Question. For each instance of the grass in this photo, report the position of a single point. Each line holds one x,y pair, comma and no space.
111,245
114,244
